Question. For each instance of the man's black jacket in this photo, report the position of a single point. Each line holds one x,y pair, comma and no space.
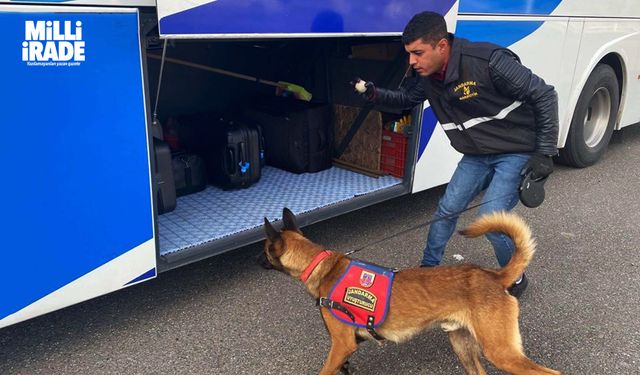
488,103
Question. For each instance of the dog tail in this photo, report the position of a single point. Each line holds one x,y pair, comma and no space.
513,226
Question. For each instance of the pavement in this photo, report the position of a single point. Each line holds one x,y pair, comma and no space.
226,315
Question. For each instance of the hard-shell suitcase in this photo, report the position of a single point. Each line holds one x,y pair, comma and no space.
234,161
298,136
189,173
163,174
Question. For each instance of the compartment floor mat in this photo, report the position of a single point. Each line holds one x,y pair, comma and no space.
213,213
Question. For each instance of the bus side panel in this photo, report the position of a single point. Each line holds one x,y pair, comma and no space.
77,204
234,18
619,37
566,8
602,35
631,93
610,8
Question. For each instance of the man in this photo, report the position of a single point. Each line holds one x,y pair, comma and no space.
496,112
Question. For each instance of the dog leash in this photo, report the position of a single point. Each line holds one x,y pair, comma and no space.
455,214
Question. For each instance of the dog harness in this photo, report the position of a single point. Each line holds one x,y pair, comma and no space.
361,296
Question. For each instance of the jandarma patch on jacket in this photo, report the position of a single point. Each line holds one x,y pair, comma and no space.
360,298
467,90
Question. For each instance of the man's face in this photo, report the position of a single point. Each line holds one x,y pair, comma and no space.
425,58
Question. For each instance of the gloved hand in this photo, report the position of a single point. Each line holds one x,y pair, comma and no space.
539,165
366,89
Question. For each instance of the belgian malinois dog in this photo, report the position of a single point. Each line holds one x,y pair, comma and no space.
470,303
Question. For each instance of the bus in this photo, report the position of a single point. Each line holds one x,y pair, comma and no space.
87,83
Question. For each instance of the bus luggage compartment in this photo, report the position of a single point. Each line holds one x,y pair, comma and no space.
216,220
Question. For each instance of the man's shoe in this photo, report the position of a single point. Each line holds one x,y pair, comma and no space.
518,287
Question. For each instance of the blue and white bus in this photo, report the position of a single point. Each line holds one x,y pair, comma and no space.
79,85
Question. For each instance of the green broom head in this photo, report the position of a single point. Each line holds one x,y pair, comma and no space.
289,89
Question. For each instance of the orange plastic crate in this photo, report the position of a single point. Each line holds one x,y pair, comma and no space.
394,153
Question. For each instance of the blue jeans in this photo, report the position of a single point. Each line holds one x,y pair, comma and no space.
499,176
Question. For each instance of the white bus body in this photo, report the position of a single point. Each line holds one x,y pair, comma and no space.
79,89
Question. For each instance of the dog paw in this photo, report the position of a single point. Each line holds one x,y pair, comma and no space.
346,369
450,326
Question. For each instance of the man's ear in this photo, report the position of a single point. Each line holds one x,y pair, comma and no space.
270,231
289,220
443,44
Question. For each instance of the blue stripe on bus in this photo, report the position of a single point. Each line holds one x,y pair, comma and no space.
147,275
429,122
296,16
502,33
542,7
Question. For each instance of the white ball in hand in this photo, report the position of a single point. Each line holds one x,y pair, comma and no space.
360,87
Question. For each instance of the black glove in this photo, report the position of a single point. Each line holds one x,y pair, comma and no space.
366,89
539,165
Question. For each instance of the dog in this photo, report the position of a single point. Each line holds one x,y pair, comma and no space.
468,302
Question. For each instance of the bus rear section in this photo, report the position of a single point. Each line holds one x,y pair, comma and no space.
586,50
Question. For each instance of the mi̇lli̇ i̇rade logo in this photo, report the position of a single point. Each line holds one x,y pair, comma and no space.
53,43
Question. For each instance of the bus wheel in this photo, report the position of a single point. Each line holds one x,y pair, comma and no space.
593,119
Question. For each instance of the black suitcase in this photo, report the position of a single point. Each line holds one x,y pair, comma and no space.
163,174
298,136
189,173
234,159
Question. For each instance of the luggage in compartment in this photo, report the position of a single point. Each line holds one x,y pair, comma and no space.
231,150
163,174
189,173
234,161
297,135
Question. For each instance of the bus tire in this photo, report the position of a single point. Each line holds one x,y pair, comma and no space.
593,120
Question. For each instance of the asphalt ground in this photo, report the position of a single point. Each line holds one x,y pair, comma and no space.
226,315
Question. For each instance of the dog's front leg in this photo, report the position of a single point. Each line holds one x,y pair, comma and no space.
468,351
343,343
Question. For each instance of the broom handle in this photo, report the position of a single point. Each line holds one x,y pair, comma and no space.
215,70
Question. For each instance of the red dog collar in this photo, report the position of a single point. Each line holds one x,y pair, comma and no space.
314,263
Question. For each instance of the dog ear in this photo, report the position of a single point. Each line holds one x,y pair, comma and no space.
289,220
270,231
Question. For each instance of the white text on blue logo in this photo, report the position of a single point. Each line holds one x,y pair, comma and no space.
53,41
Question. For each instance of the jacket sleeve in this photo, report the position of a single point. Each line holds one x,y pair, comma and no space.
513,79
407,97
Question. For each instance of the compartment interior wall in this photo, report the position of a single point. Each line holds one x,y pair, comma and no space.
324,67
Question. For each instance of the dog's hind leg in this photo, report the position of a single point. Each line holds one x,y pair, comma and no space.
499,335
468,351
507,355
343,344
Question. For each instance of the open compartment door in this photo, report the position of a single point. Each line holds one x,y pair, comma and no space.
270,18
77,212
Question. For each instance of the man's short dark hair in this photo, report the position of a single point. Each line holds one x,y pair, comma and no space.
428,26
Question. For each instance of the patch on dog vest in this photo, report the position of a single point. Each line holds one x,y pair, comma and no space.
364,289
